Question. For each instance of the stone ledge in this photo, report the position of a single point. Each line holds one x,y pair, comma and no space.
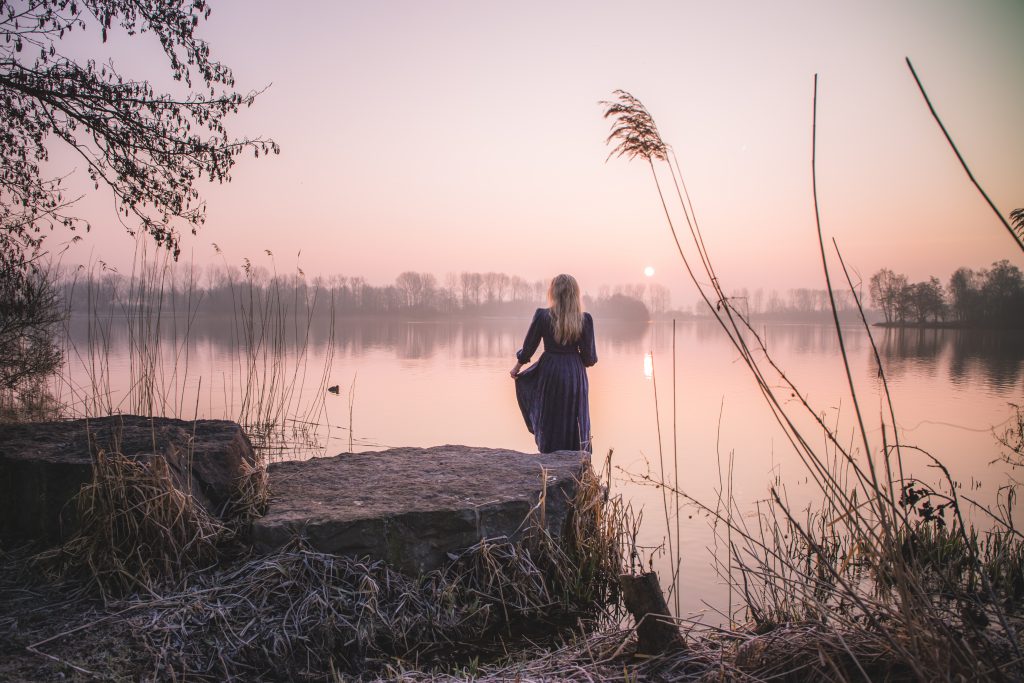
44,464
413,506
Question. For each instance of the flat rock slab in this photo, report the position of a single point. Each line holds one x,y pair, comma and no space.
44,464
413,506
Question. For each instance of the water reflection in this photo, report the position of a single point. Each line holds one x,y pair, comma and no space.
412,340
995,357
999,355
916,351
807,338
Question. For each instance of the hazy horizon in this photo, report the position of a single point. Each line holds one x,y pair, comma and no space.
270,265
460,136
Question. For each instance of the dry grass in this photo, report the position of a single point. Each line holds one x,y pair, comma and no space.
598,544
796,653
251,498
135,529
304,615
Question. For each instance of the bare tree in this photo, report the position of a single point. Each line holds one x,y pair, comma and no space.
492,286
886,291
659,298
410,284
521,289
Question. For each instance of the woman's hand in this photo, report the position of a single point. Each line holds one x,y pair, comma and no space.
515,370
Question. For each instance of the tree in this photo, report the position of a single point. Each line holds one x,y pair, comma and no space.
621,307
924,299
521,289
450,300
416,288
963,294
1003,294
492,286
888,293
470,283
149,148
659,298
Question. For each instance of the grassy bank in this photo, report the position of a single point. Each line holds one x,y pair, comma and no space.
160,590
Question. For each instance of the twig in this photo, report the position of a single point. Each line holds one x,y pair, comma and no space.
1016,238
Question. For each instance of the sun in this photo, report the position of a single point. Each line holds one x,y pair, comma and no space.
649,271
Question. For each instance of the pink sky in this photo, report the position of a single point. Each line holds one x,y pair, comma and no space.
451,136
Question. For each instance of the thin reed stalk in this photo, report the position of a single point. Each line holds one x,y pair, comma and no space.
1017,238
672,554
675,465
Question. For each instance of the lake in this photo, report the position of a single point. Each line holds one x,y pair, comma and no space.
439,382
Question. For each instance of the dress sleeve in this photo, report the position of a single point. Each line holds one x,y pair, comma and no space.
588,349
533,337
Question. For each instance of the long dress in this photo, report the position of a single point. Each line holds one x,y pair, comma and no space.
552,393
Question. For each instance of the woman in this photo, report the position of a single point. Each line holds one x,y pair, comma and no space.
553,392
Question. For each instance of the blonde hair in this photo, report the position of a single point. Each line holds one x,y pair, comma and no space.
566,309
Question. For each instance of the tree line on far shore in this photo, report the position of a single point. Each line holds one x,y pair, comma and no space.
972,296
990,297
223,289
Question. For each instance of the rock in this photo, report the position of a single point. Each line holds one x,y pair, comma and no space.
43,465
413,506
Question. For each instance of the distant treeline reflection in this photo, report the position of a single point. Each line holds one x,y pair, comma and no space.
352,336
998,356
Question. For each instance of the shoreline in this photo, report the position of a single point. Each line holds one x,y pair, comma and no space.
945,325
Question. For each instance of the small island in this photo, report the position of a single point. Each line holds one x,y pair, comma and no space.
990,298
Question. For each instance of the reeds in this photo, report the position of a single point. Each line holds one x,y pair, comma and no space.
137,531
154,310
885,573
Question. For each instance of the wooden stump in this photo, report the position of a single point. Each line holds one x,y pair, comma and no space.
656,632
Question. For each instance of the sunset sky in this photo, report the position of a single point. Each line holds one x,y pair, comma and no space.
451,136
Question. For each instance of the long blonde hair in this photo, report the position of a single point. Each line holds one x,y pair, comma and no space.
566,308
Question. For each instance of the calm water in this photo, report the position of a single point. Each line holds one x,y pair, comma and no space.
432,383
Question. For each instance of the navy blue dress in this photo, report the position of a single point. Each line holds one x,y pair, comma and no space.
552,393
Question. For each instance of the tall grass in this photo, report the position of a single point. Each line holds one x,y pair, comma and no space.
136,528
270,387
897,582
